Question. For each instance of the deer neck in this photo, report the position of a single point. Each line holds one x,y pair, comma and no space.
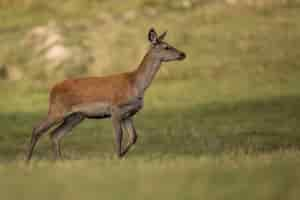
146,72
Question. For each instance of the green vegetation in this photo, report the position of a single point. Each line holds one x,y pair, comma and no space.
223,124
225,177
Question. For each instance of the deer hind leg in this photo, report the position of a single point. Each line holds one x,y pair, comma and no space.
37,132
68,124
127,124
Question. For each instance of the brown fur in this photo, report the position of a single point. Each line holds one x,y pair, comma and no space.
114,89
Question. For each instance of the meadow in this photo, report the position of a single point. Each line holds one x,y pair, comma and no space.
222,124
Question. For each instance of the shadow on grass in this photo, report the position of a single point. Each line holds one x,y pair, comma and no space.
249,126
252,126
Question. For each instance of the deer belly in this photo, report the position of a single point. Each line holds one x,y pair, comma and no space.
93,110
131,108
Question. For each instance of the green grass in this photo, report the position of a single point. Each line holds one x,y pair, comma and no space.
215,145
226,177
222,124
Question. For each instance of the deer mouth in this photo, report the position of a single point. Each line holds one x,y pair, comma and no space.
181,56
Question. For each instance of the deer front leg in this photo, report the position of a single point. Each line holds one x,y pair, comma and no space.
116,121
129,127
121,116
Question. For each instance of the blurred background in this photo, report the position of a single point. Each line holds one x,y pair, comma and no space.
45,40
214,125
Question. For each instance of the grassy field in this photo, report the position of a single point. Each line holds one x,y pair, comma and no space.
223,124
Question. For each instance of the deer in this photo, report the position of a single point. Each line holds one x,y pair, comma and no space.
118,97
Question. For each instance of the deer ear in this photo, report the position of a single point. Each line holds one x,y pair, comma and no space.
162,36
152,36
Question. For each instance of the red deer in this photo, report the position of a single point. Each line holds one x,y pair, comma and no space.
118,96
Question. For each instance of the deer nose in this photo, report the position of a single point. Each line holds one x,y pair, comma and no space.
182,56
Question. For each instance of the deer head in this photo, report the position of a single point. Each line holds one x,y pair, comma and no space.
161,49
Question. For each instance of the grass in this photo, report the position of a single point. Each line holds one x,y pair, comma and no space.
223,124
225,177
218,145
